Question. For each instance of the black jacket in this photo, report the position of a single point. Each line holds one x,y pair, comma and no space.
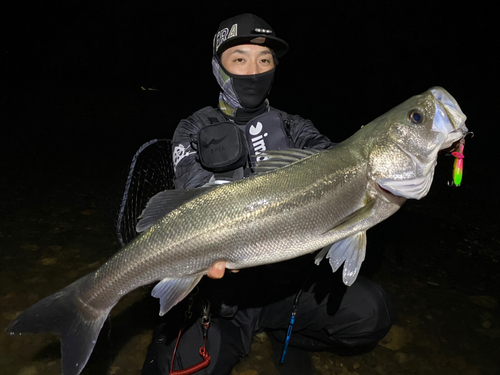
188,171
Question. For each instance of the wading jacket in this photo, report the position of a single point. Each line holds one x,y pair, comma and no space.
188,171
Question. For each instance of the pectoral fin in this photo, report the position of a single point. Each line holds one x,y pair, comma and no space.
350,251
353,222
172,291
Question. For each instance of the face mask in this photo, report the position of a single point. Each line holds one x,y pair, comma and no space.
242,91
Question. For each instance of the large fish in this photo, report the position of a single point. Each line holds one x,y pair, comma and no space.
315,200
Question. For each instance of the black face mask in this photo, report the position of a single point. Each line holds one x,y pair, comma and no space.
253,89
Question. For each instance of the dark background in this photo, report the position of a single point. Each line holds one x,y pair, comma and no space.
72,71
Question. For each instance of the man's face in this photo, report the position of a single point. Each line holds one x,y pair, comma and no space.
247,59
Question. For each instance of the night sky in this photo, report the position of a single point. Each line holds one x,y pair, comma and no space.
72,72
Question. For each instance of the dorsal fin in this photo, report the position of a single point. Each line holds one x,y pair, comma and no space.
164,202
269,160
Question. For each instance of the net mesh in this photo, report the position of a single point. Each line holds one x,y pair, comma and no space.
151,171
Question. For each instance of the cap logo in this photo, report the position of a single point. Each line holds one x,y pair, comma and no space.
221,37
225,34
234,31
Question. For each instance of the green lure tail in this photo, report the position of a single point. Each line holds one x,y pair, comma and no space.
458,165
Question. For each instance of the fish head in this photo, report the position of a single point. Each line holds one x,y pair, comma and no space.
408,139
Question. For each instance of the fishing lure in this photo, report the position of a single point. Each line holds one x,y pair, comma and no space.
458,165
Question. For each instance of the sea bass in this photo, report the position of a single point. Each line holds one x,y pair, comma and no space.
302,201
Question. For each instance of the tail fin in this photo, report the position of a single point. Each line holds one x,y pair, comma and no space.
64,313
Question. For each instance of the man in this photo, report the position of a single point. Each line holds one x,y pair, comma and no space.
213,146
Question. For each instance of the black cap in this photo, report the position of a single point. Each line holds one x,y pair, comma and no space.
247,28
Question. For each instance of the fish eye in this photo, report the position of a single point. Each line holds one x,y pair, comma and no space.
416,116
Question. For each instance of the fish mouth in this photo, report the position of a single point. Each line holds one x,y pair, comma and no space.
449,120
454,146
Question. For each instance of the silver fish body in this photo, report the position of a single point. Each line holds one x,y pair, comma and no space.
328,197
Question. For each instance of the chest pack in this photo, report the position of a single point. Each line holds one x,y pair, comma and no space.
222,146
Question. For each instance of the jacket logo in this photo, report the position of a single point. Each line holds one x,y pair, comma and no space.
180,152
258,142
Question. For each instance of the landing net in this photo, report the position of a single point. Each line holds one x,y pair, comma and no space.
151,171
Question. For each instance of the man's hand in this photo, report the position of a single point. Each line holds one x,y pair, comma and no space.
217,270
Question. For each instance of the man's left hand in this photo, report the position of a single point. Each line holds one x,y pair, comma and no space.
217,270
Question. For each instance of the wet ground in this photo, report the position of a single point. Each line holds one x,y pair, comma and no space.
438,257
